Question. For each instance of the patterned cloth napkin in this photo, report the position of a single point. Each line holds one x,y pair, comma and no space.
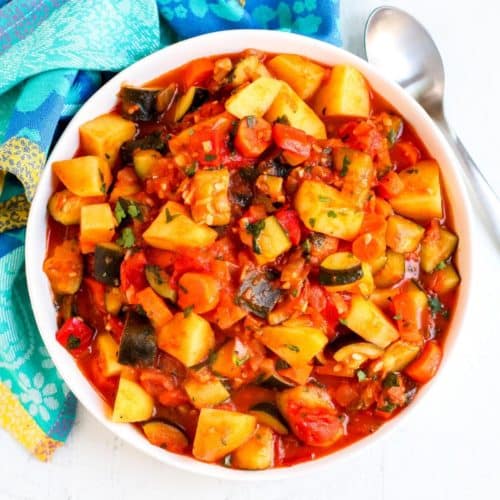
53,55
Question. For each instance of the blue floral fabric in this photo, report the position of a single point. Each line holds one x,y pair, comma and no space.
54,54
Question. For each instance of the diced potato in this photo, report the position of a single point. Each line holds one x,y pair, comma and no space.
437,250
85,175
249,68
398,355
271,242
323,209
345,94
64,268
356,169
392,272
254,99
272,186
132,403
377,263
97,224
296,345
108,350
354,355
257,453
219,432
300,73
299,115
403,235
104,135
208,197
382,298
144,161
421,195
223,363
369,322
65,207
187,337
208,393
174,230
443,280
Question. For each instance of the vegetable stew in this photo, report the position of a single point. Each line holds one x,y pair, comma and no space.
252,259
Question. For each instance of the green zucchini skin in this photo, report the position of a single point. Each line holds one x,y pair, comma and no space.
275,381
138,343
272,415
159,281
151,141
139,104
333,277
190,101
107,262
257,294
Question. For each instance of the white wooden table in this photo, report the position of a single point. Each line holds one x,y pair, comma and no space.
449,448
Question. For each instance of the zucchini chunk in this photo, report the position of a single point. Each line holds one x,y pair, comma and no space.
222,361
107,261
257,294
97,225
85,175
138,344
209,197
64,268
298,113
268,414
159,281
257,453
254,99
173,230
220,432
108,351
276,381
346,93
166,435
187,337
296,345
340,268
144,160
300,73
148,142
65,207
132,402
354,355
392,272
324,209
437,250
403,235
421,195
368,321
190,101
311,415
269,239
398,355
139,104
203,394
104,135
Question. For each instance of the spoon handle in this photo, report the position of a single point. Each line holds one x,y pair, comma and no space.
486,197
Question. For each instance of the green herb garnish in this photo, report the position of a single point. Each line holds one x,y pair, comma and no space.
312,221
324,199
388,407
283,119
361,375
191,170
210,157
127,238
332,214
392,136
119,213
73,342
391,380
188,310
239,361
170,217
441,265
292,347
345,166
133,210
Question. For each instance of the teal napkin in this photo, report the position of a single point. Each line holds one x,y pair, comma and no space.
54,54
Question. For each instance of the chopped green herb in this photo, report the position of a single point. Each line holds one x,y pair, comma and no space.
119,213
332,214
210,157
127,238
295,292
188,310
283,119
133,210
251,121
441,265
306,246
397,317
361,375
312,221
255,228
239,361
436,306
107,156
191,170
190,131
388,407
292,347
212,357
324,199
281,364
345,166
170,217
392,136
73,342
103,184
391,380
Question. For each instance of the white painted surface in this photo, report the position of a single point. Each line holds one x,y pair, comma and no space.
448,449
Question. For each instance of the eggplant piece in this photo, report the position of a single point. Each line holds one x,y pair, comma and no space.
275,381
150,141
166,435
138,343
257,294
159,281
138,104
340,268
268,414
107,261
190,101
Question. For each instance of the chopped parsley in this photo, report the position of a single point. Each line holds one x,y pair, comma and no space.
73,342
437,307
283,119
295,292
170,217
119,213
391,380
133,210
191,170
312,221
392,136
251,121
188,310
332,214
388,407
104,188
190,131
441,265
255,228
127,238
324,199
239,361
292,347
210,157
361,375
281,364
345,166
397,317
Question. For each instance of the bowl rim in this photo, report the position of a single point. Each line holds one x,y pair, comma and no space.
146,70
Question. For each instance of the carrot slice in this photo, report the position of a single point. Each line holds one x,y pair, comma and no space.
368,246
197,72
154,307
253,136
198,290
390,185
427,364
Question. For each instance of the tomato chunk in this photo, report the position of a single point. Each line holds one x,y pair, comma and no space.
253,136
427,364
75,336
290,222
292,139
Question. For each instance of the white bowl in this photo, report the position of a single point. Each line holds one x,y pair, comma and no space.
147,69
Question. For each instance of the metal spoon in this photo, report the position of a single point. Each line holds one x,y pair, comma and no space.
399,45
